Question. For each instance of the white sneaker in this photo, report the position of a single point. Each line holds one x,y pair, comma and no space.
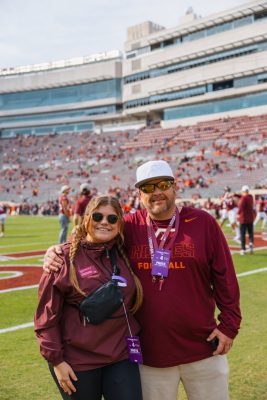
1,234
251,248
242,252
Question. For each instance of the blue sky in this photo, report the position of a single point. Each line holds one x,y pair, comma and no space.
36,31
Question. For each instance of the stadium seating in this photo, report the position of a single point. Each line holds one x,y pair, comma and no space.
205,156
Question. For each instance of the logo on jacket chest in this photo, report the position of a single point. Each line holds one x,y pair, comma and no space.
88,270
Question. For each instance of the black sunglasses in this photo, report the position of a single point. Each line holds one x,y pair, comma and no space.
151,187
111,218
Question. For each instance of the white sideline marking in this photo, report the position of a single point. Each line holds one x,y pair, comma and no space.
20,265
255,249
20,258
18,288
16,327
5,258
12,274
254,271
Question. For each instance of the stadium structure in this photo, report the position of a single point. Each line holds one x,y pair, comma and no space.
203,68
195,95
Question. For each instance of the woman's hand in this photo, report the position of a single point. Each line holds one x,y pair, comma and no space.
64,374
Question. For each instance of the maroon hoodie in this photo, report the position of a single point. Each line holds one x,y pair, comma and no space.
245,209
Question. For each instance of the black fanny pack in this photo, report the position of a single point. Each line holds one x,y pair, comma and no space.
104,301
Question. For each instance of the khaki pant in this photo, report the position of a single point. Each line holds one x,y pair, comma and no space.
203,380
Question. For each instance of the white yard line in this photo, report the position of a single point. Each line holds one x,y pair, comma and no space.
255,249
11,274
16,327
254,271
18,288
21,265
5,258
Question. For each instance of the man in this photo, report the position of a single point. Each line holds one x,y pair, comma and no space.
64,213
246,217
229,204
209,206
185,266
81,203
3,214
261,207
224,201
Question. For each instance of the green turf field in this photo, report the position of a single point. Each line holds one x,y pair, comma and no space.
24,373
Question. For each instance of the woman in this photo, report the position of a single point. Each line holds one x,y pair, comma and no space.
92,360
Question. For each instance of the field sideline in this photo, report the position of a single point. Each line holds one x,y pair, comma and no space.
24,373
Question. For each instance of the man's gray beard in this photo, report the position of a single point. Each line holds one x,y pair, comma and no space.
155,211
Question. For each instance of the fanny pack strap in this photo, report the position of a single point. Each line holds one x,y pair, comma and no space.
113,261
115,269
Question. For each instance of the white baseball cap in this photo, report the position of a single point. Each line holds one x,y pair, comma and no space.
84,186
245,188
65,188
152,170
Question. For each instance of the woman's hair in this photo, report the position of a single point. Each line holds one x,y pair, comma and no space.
81,233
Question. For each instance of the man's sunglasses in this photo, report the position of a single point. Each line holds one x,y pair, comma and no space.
151,187
111,218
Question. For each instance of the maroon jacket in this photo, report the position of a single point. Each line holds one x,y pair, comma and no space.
59,330
81,205
245,209
176,321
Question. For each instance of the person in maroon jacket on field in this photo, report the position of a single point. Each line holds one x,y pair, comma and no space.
81,203
246,216
88,360
184,264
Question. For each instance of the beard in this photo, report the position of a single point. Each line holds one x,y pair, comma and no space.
159,204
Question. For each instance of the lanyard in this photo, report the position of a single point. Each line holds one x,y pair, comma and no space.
152,240
133,343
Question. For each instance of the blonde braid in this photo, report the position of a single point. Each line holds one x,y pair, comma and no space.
80,233
138,286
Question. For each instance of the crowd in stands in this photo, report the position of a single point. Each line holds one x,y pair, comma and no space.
205,157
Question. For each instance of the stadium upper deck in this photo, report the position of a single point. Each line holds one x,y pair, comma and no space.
61,96
204,68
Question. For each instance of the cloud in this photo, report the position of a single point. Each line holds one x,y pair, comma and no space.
33,31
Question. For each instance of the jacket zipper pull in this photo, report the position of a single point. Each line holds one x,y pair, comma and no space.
107,252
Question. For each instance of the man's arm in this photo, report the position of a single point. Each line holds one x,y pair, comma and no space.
76,218
53,259
226,291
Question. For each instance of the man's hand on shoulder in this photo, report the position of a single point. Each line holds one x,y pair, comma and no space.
53,259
